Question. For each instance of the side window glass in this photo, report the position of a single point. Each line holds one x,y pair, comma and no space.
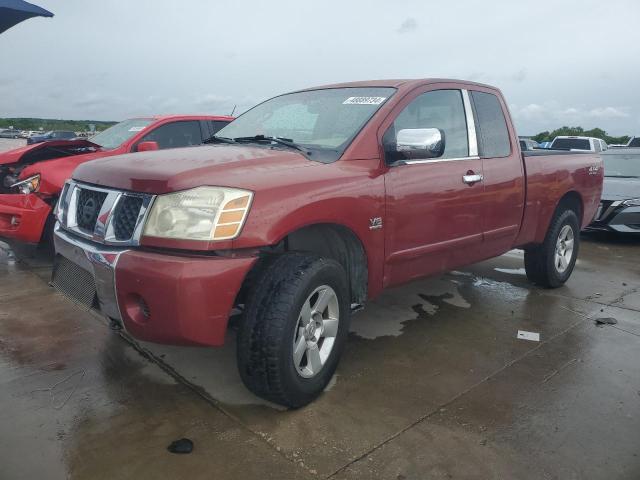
175,135
442,109
493,135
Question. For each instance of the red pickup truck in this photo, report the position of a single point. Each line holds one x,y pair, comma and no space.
307,206
31,177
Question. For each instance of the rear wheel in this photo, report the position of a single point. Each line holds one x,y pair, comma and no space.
294,329
551,263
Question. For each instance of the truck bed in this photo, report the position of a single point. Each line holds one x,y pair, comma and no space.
548,177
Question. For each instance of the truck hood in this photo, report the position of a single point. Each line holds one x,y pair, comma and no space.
164,171
620,188
47,151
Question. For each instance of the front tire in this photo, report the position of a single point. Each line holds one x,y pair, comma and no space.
550,264
294,329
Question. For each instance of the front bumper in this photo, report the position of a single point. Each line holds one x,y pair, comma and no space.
619,219
22,217
158,297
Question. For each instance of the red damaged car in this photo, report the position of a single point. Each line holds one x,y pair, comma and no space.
32,177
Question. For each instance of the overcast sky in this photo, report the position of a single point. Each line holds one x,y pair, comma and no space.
557,62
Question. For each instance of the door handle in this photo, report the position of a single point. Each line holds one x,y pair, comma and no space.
470,178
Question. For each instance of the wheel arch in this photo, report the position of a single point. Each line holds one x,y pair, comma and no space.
329,240
570,200
573,201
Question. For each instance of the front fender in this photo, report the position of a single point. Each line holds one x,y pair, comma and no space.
350,203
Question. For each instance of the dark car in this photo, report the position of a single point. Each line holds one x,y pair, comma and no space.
634,142
53,135
619,209
10,133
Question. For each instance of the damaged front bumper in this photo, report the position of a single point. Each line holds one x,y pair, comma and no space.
157,297
23,217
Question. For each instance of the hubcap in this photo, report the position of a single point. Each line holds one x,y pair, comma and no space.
564,249
316,331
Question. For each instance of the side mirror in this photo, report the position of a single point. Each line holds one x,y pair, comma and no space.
419,143
147,146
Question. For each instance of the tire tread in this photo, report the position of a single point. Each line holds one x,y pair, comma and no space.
259,350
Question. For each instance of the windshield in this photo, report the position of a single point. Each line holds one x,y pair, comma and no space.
571,144
323,121
115,136
621,165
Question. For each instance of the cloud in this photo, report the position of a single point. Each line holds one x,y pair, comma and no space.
609,112
409,25
211,101
93,102
533,111
553,112
519,76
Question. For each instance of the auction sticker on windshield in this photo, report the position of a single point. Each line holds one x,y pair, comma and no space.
136,129
364,100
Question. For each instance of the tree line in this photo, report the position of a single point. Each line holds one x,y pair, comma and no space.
47,124
580,132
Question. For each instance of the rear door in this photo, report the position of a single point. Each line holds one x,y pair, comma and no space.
433,218
504,187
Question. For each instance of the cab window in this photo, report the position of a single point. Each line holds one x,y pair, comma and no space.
442,109
175,135
493,135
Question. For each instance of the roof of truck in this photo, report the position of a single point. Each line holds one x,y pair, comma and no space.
396,83
578,137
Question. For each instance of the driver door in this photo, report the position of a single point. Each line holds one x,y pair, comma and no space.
434,212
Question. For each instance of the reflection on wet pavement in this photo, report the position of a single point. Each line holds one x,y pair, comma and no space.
433,384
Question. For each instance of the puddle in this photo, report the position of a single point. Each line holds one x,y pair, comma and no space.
386,316
511,271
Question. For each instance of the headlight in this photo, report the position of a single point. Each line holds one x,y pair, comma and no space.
203,213
28,185
633,202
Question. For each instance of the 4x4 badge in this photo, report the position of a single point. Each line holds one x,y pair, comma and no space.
375,223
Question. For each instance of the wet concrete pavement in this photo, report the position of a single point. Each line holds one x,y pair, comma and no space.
434,384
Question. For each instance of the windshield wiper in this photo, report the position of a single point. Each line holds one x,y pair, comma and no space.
216,139
622,176
287,142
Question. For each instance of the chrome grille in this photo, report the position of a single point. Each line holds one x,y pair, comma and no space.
74,282
125,217
89,205
103,215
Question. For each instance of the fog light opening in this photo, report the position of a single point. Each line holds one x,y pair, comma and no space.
137,308
144,308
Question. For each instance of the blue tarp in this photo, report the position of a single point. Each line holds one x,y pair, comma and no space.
15,11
